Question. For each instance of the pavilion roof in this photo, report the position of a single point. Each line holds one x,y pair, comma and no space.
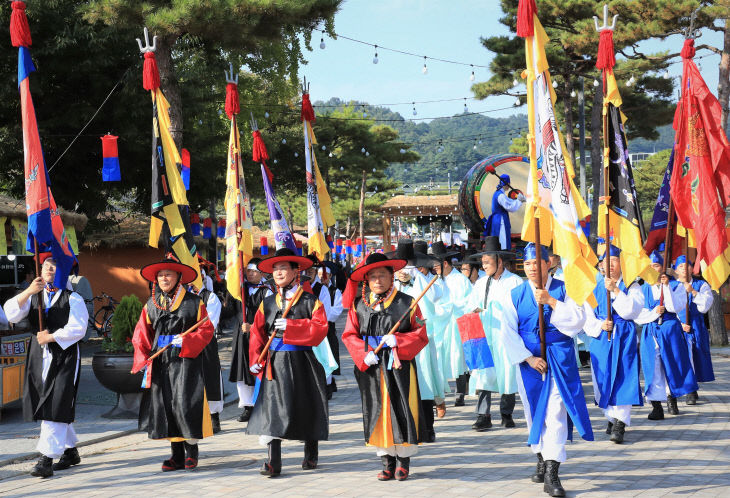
421,205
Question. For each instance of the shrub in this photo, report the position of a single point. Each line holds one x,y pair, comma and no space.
126,315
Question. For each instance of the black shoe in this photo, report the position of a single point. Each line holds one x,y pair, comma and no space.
403,469
539,475
334,385
215,419
617,434
329,391
672,405
483,423
552,484
388,471
191,456
245,414
70,457
657,412
430,436
609,428
272,467
43,468
692,398
459,401
507,421
177,461
311,455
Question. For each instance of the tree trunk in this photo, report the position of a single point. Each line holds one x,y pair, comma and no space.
596,159
723,86
568,111
718,333
170,87
362,211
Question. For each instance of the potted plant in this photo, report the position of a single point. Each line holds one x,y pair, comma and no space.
112,365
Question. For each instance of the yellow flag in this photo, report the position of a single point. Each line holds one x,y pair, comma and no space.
316,227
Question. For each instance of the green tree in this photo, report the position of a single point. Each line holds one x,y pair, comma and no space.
648,175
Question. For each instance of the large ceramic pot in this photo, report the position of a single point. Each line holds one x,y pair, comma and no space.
112,371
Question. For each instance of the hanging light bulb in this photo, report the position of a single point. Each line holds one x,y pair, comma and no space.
275,161
321,41
472,77
596,83
296,154
631,81
266,114
517,102
414,109
466,109
572,93
324,147
283,140
367,154
425,69
666,75
375,59
555,84
331,155
480,140
374,170
362,150
342,168
515,82
402,151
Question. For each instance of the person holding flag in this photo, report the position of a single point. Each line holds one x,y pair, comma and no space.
550,386
53,362
615,357
485,298
171,334
498,224
292,401
393,421
698,337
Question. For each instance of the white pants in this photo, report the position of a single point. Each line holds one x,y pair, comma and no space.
657,390
55,438
620,412
265,440
554,433
217,406
245,394
398,450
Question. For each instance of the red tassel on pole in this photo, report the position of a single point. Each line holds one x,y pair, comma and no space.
307,110
606,55
232,104
150,73
260,154
526,11
19,28
688,49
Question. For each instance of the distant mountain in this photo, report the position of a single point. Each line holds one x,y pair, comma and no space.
665,141
446,145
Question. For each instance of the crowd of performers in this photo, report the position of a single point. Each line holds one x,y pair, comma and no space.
403,337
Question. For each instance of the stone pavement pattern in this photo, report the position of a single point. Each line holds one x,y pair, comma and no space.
687,454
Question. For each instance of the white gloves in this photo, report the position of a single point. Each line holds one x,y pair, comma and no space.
371,359
521,197
389,340
177,341
256,368
280,324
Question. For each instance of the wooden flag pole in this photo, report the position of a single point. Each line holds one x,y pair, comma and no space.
41,320
191,329
607,205
686,264
293,300
540,285
239,218
668,238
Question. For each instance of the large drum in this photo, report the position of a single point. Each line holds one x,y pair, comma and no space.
478,187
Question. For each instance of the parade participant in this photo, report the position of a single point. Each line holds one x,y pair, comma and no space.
255,292
392,413
178,404
469,267
502,378
665,358
498,223
212,373
550,389
292,401
52,367
451,349
615,360
431,384
332,296
698,337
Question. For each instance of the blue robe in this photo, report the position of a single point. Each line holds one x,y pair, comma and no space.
672,348
699,339
562,364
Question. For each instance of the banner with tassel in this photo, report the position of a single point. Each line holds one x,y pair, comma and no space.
195,224
185,171
110,170
207,228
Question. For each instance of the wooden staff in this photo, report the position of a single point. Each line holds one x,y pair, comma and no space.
239,218
668,238
688,275
41,324
191,329
540,283
283,315
606,203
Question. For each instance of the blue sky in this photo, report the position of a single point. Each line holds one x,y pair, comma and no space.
448,30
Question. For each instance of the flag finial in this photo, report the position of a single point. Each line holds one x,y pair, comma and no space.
150,72
606,54
232,104
19,28
307,110
526,11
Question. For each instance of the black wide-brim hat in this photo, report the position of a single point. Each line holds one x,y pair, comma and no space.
330,265
377,260
466,260
187,273
438,250
405,250
492,247
284,255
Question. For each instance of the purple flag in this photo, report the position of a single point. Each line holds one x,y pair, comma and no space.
282,235
658,228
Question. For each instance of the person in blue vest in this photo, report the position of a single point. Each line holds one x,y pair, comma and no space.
696,333
665,358
498,223
615,361
550,388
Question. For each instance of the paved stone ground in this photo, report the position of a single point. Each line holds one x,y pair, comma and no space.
687,454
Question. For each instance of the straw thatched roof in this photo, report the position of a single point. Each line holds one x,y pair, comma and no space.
15,208
421,205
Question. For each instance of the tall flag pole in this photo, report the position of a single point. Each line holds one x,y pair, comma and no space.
238,232
319,209
661,230
619,217
282,235
170,213
554,205
45,227
700,186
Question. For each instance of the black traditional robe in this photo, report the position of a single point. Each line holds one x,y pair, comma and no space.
239,359
211,363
